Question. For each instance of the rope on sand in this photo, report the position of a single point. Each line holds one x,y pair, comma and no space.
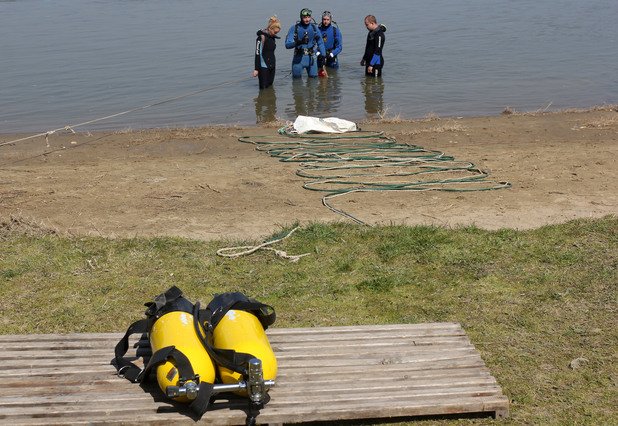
238,251
365,161
107,117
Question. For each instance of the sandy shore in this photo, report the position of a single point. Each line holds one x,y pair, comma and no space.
203,183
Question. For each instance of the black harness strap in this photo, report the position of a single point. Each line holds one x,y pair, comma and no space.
222,303
125,367
201,403
205,321
182,363
230,359
316,34
209,318
163,302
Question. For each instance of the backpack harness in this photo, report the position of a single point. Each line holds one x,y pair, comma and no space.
204,322
309,50
324,38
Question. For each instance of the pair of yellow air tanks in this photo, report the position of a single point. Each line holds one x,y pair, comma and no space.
225,344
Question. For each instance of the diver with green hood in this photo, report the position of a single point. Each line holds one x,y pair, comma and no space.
306,40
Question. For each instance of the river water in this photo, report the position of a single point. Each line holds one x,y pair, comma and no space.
70,61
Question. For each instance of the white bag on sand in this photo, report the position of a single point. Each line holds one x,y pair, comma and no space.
305,124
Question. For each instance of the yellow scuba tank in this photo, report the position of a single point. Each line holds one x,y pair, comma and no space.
242,331
177,329
184,343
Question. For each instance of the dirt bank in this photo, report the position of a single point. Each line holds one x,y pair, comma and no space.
203,183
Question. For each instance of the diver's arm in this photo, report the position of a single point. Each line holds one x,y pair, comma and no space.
290,43
259,43
377,53
339,42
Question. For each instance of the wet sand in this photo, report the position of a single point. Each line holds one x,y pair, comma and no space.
203,183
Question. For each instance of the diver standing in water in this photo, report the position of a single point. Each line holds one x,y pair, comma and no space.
306,40
265,46
373,61
333,41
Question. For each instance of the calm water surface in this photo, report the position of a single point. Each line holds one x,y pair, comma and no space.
69,61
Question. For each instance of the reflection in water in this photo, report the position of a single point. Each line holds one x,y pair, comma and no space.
305,98
329,92
316,97
266,105
373,89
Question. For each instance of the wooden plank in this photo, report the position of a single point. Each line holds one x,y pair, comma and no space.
288,335
285,351
272,332
288,388
325,374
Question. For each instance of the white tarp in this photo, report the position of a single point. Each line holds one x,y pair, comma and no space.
304,124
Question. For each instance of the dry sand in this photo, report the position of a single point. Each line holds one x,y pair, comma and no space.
202,183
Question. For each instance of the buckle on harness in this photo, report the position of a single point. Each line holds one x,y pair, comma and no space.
304,52
121,370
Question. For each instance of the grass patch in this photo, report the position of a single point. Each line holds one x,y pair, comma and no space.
531,301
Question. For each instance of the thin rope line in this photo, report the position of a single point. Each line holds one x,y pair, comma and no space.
107,117
238,251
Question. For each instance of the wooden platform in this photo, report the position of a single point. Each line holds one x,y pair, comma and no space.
325,374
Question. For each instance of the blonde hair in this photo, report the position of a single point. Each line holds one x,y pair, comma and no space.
274,23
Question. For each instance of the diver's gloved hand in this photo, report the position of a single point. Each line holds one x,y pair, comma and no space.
304,40
331,55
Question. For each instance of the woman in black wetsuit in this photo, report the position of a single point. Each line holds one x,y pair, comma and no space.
265,46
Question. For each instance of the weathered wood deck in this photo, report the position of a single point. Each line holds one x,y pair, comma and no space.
325,374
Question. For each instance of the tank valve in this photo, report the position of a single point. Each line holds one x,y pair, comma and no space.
256,388
188,389
255,385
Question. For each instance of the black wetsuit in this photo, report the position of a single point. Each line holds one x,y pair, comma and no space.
265,46
373,51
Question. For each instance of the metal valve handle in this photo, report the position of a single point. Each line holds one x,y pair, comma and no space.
255,385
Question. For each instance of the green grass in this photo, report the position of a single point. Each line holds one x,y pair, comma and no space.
530,301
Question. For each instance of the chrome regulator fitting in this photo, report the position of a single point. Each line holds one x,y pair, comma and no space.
255,385
188,389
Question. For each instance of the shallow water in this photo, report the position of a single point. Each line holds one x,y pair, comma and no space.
70,61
